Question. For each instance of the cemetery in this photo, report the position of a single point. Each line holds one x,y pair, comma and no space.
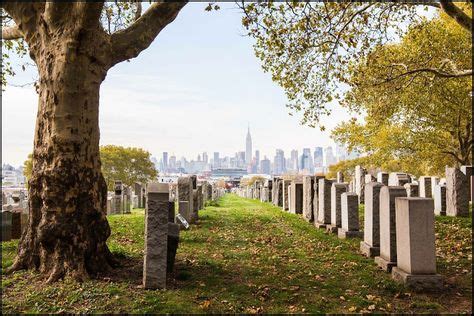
241,251
380,225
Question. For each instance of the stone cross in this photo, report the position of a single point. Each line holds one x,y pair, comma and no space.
415,239
388,241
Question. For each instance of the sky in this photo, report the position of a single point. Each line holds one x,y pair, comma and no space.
195,89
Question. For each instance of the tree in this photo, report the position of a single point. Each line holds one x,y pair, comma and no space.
28,167
421,122
68,229
308,47
129,165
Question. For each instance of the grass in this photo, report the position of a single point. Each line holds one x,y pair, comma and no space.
245,256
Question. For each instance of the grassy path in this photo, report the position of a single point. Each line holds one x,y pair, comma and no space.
247,256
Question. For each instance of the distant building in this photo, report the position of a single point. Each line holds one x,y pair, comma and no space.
330,159
293,165
318,157
217,162
248,147
165,161
307,161
205,158
279,162
265,167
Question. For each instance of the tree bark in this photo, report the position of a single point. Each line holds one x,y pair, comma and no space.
67,229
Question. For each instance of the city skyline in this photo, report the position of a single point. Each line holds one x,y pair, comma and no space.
149,103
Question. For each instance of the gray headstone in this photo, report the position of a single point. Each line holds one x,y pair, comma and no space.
457,199
324,201
156,236
308,197
336,190
440,199
370,246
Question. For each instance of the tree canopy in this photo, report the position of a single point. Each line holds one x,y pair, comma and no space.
127,164
308,47
417,123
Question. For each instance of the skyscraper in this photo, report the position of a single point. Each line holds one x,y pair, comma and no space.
217,161
279,162
330,159
294,161
265,166
248,148
307,161
165,161
318,157
204,157
257,159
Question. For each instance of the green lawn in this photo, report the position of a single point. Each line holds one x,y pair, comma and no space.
247,256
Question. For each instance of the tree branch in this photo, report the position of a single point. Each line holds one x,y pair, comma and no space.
457,14
11,33
128,43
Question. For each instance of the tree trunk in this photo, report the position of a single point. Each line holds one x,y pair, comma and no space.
68,228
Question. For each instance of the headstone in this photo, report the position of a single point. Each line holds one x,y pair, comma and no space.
185,198
340,177
6,225
425,186
467,170
359,183
382,177
349,216
457,199
308,197
156,236
324,203
336,190
412,189
138,192
398,179
199,197
16,224
440,199
388,241
415,237
286,186
117,205
369,178
434,183
370,246
194,181
296,201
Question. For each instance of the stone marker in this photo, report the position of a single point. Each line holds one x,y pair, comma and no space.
434,183
457,199
382,177
16,224
415,237
370,246
398,179
339,177
296,203
156,236
349,216
440,199
388,240
467,170
336,190
425,186
308,197
172,246
185,198
360,182
369,178
6,226
324,203
412,189
286,186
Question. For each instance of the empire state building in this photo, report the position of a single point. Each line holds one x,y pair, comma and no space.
248,148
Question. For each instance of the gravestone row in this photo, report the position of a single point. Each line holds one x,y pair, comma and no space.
398,214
